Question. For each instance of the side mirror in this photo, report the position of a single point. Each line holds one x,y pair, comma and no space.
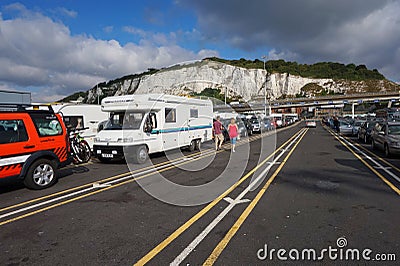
148,127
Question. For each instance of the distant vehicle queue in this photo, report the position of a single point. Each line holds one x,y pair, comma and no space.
381,130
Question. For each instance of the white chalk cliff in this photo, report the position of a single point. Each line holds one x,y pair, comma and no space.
236,81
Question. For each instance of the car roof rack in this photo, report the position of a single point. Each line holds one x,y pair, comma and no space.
7,107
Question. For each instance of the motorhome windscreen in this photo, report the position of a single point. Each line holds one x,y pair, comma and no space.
124,120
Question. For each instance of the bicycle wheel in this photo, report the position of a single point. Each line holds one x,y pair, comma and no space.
85,152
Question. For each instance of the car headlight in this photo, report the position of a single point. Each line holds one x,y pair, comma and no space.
125,140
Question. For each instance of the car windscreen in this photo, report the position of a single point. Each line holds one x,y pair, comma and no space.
124,120
394,130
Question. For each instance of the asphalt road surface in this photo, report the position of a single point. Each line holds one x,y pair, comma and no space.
292,197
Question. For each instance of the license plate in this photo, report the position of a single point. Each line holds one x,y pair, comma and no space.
105,155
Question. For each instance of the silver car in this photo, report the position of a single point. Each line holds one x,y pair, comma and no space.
386,136
345,128
356,126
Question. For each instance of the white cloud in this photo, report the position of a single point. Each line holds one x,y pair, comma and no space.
36,51
67,12
357,31
108,29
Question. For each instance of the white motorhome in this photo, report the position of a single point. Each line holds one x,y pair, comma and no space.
82,116
149,123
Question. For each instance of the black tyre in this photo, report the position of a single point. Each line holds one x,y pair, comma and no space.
197,145
386,150
192,145
140,155
41,174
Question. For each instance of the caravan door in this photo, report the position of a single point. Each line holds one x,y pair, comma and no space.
171,129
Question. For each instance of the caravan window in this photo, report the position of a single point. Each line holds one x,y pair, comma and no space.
194,113
73,122
124,120
170,115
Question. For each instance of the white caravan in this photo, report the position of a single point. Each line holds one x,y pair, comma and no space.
148,123
82,116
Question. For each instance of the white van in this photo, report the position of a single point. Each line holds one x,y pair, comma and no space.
149,123
278,119
82,116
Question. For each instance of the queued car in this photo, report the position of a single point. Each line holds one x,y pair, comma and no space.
268,124
247,124
386,136
345,127
33,145
311,123
356,126
364,132
255,125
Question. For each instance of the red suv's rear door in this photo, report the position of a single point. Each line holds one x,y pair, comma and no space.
15,143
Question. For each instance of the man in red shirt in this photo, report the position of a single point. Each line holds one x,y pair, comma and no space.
218,136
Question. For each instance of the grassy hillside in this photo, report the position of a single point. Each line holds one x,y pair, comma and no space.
317,70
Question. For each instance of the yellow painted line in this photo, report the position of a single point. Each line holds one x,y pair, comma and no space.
100,190
373,154
145,259
95,192
387,182
107,188
224,242
242,142
92,183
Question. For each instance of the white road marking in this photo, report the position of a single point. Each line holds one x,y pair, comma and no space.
230,200
377,164
183,255
93,187
98,185
383,168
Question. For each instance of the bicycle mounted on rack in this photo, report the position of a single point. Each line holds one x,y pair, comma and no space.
79,148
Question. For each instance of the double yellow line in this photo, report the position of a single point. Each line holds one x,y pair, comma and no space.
224,242
117,176
207,153
202,212
385,180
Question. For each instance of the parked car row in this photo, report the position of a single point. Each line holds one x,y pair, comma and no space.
381,133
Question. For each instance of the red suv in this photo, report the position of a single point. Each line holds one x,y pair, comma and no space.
33,144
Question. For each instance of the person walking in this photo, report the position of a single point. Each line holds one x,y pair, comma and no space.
233,133
218,136
336,124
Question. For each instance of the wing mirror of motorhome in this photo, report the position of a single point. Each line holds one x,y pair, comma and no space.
148,127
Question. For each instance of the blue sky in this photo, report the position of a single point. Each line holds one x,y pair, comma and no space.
54,48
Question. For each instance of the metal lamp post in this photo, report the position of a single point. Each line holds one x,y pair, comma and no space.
265,87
